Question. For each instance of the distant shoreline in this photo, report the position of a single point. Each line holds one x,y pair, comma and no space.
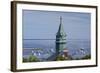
55,39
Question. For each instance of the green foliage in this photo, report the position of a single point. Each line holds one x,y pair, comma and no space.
33,59
77,58
70,57
61,58
25,60
87,57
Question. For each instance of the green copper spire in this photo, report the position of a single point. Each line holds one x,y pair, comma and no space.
60,38
61,29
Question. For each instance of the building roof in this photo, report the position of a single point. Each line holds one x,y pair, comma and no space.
61,29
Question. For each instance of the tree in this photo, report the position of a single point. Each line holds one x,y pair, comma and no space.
25,60
60,58
33,58
87,57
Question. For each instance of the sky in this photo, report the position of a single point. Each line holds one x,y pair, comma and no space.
45,24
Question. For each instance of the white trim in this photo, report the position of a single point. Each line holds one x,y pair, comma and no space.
21,65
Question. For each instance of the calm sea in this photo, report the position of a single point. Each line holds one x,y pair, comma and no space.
45,48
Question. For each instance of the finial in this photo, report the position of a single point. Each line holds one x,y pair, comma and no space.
60,20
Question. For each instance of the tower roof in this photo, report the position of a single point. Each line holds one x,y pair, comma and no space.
61,29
